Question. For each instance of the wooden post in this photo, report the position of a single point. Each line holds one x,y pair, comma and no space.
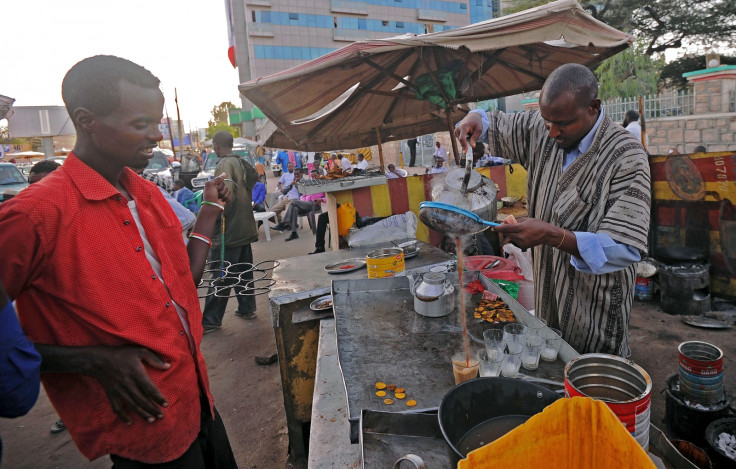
332,217
452,137
380,150
643,122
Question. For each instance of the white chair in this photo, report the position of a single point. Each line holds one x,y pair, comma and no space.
264,217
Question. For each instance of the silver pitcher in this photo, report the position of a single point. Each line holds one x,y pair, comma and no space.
434,295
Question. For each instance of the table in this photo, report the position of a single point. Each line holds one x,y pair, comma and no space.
264,217
299,280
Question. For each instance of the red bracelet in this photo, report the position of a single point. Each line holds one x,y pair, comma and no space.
201,237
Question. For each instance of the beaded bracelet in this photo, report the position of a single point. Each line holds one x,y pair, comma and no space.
564,232
214,204
201,237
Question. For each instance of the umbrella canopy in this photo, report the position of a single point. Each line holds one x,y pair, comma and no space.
400,87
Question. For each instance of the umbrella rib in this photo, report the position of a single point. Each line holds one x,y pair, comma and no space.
362,90
390,73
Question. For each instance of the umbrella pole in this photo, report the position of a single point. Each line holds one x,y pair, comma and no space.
380,150
452,136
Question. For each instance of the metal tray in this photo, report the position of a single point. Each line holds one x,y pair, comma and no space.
385,437
320,304
358,262
704,322
381,338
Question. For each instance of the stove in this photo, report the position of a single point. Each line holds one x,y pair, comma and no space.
315,186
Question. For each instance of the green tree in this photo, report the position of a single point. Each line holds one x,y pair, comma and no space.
221,120
671,74
628,74
662,24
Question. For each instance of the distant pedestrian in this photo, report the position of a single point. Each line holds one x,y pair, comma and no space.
412,144
440,151
41,169
631,123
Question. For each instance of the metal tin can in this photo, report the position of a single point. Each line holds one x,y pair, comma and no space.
385,262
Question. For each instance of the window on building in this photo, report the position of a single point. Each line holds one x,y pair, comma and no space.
428,28
361,23
384,23
334,21
266,16
463,6
399,24
293,16
253,16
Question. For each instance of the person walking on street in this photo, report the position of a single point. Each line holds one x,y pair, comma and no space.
106,288
240,232
588,191
412,144
440,151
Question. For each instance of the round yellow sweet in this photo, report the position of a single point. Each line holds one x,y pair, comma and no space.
381,393
388,401
411,402
380,385
400,395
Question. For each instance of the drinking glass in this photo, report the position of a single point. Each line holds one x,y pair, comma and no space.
464,368
490,362
552,341
514,333
511,360
493,338
530,352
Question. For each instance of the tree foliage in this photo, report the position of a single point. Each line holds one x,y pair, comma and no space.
628,74
671,74
662,24
221,120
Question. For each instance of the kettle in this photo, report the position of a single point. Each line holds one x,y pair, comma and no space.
465,189
434,295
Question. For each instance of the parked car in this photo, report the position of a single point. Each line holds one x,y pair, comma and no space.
160,165
12,180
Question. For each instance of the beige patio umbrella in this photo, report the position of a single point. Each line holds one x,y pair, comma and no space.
389,89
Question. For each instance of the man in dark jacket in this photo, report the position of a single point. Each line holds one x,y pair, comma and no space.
240,231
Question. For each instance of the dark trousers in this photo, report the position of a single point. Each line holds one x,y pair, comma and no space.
214,307
412,155
259,207
322,221
210,450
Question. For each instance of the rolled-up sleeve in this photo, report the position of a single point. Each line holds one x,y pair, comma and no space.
600,254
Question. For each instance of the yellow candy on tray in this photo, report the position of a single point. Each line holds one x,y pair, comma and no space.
579,432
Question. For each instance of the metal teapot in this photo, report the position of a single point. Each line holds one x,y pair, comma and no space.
465,189
434,295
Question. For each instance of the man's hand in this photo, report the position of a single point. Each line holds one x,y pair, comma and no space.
471,125
119,370
216,191
530,232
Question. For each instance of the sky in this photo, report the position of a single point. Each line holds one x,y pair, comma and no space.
183,42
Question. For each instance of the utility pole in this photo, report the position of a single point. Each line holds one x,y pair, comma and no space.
178,125
171,134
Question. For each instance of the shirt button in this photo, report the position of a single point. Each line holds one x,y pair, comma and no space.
168,304
126,222
118,198
153,277
181,332
138,249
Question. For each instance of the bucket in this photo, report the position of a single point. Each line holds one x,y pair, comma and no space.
622,384
385,262
643,288
701,372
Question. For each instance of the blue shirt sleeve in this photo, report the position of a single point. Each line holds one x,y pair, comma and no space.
186,217
259,193
599,254
20,367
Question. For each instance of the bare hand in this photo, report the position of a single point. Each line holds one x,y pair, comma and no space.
216,191
121,372
528,233
471,125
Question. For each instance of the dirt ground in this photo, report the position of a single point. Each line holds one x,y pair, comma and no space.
248,396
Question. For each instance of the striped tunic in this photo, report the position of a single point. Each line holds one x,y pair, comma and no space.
607,189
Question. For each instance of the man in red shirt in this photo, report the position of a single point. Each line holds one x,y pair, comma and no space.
106,288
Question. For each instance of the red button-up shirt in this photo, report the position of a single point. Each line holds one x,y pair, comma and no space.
73,260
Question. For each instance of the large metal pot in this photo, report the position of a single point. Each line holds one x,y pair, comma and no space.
482,400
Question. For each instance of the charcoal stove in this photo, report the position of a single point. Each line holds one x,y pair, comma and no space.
315,186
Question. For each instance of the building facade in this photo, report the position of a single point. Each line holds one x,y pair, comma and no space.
275,35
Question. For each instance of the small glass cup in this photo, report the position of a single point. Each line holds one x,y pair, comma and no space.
535,325
493,338
464,368
490,362
530,352
511,360
552,341
514,333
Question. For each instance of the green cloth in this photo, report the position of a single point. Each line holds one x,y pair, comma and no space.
240,225
512,288
429,91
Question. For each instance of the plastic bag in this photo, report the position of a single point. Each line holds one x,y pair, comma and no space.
523,259
393,228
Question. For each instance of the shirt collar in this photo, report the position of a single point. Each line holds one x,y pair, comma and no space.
93,186
587,141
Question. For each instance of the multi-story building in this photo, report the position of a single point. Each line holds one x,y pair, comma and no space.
274,35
